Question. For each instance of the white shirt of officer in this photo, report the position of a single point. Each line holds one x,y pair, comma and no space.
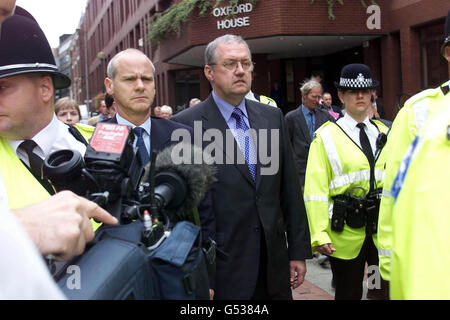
348,124
55,136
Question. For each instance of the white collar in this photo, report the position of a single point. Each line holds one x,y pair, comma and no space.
146,125
44,138
351,123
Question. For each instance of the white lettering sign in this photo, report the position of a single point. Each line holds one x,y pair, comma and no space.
225,11
233,10
233,23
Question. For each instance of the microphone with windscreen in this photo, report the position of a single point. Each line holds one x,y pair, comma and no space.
178,183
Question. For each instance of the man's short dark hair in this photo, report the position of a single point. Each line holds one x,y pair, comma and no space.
109,100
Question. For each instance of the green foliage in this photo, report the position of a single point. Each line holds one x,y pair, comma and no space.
331,4
174,17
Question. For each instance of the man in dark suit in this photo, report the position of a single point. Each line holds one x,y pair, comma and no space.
303,121
258,204
131,82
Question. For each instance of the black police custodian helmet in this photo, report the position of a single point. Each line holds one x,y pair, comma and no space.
25,49
356,76
446,33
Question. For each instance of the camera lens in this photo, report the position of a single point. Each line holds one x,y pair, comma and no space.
63,168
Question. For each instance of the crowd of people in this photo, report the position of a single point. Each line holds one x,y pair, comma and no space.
345,182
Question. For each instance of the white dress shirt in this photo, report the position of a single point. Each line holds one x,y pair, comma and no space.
348,124
55,136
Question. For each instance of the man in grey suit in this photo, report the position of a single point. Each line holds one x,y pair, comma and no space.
260,215
303,121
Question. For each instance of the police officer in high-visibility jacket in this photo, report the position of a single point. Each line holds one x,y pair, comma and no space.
344,177
407,125
420,215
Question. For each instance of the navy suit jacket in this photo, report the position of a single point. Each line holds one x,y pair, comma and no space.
161,131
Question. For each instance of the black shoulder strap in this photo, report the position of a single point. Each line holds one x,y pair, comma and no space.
445,89
257,96
77,135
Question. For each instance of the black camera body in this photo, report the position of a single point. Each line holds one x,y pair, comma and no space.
110,172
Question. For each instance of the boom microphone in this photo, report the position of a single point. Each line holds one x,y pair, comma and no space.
180,183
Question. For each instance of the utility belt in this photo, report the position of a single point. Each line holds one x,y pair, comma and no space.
356,212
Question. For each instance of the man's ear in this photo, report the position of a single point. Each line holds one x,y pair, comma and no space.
109,86
447,53
209,73
46,88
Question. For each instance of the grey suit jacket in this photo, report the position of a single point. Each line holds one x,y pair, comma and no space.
300,138
254,217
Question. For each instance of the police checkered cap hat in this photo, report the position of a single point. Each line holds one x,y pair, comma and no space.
356,76
25,49
446,33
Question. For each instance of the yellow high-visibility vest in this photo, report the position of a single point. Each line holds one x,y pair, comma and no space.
408,123
421,215
22,187
335,166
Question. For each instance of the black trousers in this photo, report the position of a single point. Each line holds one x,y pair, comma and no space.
349,274
261,292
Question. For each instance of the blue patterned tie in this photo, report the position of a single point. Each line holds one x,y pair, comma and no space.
144,153
244,141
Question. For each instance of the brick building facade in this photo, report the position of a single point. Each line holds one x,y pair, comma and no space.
290,40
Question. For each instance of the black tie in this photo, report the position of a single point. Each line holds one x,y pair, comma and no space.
145,155
35,161
36,164
365,144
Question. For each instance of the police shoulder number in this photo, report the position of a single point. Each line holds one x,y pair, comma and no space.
246,309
